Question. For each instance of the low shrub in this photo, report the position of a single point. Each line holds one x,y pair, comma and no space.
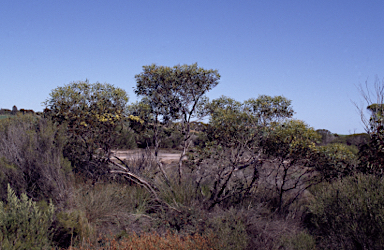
104,208
270,230
349,213
71,227
31,159
300,241
230,229
23,224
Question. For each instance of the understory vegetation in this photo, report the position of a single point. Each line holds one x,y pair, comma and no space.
91,171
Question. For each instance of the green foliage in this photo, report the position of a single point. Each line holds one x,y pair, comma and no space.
23,225
371,159
293,140
269,109
337,160
300,241
371,155
342,155
230,122
4,117
229,162
71,227
173,138
291,146
91,114
126,138
349,213
234,122
174,93
142,122
377,117
231,230
31,159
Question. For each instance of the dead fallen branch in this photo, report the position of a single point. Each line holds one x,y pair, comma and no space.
125,171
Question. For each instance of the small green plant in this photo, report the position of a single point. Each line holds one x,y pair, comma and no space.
23,224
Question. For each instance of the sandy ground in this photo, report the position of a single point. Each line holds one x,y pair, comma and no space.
137,153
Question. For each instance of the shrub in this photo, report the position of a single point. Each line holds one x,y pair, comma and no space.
299,241
173,138
31,159
269,230
125,139
349,213
231,230
336,160
100,208
111,202
371,157
23,225
71,227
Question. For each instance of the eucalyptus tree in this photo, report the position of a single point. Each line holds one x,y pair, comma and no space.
90,113
229,163
337,160
175,95
292,149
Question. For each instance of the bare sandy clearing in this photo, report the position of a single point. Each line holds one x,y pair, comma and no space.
137,153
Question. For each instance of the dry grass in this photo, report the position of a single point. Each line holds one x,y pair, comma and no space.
149,241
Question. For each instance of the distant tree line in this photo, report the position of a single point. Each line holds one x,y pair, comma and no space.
15,111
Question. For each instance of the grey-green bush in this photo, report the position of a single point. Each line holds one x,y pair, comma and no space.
299,241
31,159
23,225
349,213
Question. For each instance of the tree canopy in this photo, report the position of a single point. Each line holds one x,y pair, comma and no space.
175,94
90,113
236,140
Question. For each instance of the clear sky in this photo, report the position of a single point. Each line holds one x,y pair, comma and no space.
312,52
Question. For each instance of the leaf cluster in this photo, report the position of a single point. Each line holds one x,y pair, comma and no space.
23,224
292,140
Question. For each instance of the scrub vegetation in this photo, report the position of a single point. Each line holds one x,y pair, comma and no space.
248,177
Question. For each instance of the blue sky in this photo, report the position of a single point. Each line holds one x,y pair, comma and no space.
312,52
